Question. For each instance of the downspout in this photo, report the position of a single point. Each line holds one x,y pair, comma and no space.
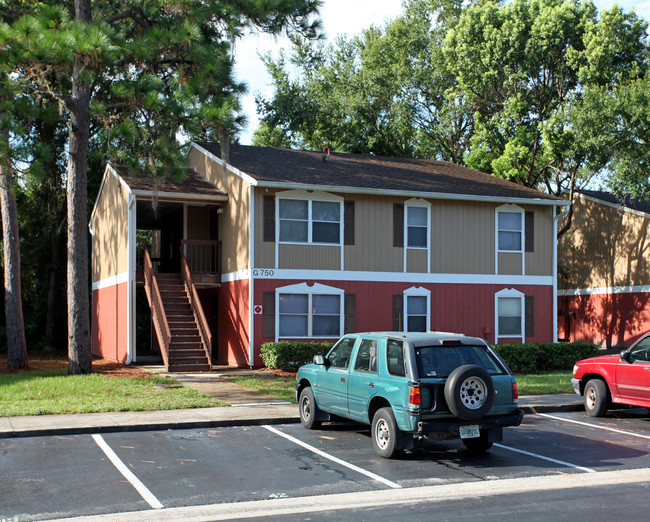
130,285
555,220
251,281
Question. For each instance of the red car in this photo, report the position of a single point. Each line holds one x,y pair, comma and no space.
622,379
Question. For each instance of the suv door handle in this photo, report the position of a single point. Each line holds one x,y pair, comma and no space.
371,385
343,380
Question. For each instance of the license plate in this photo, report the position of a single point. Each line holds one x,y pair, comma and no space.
469,432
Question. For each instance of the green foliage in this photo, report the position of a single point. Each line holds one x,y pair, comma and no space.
538,358
290,355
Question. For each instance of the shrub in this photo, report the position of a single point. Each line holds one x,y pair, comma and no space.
536,358
290,355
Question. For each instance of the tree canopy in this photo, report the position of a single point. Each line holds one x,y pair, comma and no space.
545,93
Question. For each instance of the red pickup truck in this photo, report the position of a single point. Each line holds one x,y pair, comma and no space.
622,379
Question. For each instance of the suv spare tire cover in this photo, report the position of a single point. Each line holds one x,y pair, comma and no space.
469,392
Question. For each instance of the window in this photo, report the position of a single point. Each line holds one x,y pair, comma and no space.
339,356
306,221
310,311
510,309
412,310
395,358
510,231
367,357
417,219
416,313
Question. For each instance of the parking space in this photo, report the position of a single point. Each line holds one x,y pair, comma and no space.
42,477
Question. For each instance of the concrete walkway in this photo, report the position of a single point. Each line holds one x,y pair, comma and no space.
247,408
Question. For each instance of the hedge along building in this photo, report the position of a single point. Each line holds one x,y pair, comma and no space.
312,245
604,260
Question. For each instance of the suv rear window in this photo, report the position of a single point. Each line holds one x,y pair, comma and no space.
440,361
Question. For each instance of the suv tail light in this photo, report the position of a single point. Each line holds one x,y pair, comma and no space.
415,399
515,391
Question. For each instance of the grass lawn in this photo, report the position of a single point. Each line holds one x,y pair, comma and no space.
283,387
47,389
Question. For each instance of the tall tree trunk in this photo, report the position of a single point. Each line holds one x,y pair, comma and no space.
50,321
17,347
79,356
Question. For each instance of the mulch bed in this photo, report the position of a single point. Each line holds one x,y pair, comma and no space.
41,360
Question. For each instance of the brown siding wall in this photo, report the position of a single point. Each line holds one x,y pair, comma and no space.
509,263
110,231
462,237
605,247
416,260
234,229
540,262
314,257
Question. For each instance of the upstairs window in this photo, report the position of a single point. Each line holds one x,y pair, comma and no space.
510,226
307,221
417,219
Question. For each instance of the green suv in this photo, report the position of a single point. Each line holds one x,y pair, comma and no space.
412,385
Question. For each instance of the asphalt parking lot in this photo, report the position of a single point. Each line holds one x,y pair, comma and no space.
79,475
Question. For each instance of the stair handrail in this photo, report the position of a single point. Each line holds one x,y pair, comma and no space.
158,316
197,309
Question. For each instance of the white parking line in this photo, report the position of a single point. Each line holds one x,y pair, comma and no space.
334,459
536,455
135,482
631,434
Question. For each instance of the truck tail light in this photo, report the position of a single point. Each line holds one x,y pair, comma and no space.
415,399
515,391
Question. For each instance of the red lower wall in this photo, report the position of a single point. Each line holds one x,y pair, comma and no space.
109,322
461,308
234,324
609,320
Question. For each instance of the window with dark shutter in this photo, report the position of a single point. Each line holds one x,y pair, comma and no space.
348,223
530,231
269,218
529,317
268,330
398,224
350,314
398,312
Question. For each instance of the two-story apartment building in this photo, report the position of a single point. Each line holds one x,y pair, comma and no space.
312,245
604,260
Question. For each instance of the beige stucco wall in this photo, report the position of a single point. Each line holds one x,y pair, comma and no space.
234,223
605,247
110,230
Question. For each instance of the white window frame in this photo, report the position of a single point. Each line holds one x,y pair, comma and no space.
510,293
310,198
511,209
421,203
315,289
416,291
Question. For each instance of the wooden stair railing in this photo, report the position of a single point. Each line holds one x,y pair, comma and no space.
197,309
161,326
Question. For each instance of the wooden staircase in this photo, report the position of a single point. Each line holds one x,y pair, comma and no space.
186,353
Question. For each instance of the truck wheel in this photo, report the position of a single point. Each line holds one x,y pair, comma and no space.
596,398
308,409
386,436
479,444
469,392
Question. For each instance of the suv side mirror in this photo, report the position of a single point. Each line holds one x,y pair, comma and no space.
625,356
319,359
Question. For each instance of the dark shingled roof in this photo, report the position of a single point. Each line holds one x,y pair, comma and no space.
627,201
192,183
359,171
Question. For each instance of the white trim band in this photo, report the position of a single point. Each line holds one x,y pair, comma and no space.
111,281
607,290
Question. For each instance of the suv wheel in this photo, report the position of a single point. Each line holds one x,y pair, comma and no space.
308,409
386,436
596,398
469,392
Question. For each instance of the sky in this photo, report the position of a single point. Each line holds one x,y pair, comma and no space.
339,17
